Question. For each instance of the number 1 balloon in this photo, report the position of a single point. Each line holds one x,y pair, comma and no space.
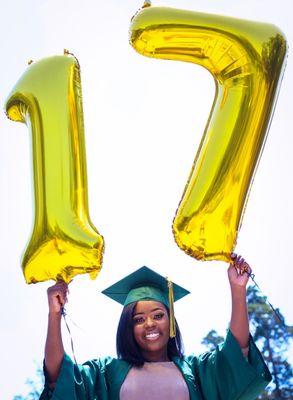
64,241
246,60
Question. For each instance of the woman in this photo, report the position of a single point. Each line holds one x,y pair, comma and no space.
150,362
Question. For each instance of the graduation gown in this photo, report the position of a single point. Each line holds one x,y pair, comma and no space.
224,374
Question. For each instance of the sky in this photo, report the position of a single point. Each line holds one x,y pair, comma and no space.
144,119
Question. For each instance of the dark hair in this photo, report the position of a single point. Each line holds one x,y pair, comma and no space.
126,346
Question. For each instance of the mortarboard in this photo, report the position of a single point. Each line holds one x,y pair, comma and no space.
146,284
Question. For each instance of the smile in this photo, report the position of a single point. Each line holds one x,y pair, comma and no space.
152,336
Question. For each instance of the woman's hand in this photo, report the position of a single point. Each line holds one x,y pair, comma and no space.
238,271
57,297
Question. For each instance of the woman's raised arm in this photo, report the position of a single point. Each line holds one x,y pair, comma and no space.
238,278
54,350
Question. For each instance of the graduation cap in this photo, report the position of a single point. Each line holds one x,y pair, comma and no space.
146,284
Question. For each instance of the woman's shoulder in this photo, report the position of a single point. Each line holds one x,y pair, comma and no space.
190,360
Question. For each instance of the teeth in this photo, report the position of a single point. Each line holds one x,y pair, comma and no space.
152,335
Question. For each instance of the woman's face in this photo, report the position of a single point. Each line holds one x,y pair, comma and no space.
151,329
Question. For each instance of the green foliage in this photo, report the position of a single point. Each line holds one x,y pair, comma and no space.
273,337
34,387
212,339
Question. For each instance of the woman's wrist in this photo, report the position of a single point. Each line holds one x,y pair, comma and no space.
54,315
238,291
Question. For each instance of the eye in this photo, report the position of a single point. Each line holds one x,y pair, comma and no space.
138,320
159,316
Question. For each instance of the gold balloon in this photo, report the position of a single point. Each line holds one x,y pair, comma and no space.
64,242
246,60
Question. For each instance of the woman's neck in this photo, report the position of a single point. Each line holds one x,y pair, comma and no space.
155,357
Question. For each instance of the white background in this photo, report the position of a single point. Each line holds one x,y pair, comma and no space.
143,121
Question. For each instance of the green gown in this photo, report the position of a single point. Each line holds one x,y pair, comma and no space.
224,374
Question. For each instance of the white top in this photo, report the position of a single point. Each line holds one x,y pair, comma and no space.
154,381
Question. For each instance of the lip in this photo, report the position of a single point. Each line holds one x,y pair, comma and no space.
152,336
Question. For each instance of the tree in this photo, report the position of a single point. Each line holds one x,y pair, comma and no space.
212,339
273,337
35,387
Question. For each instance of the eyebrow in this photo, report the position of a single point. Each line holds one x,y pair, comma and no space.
155,309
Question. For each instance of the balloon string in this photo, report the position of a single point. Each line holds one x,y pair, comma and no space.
64,314
72,322
252,276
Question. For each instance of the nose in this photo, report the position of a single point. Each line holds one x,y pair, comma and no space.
149,322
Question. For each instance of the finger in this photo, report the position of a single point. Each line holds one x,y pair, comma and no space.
242,267
238,259
241,260
58,285
62,298
248,270
243,264
237,264
62,288
59,292
61,301
236,269
62,284
234,260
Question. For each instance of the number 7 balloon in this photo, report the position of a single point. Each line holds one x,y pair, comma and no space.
64,241
246,60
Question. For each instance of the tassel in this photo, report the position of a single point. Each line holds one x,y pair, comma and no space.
171,305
